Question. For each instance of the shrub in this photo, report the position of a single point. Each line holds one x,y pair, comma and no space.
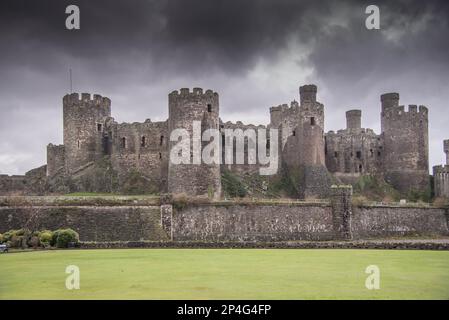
1,238
359,201
33,241
62,237
45,237
17,238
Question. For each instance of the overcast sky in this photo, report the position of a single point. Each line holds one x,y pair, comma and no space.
254,53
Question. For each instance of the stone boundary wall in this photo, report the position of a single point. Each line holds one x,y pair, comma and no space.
124,223
369,244
391,221
258,222
164,219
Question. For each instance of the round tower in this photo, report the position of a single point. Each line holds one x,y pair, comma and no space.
406,144
83,128
186,110
311,127
446,150
354,119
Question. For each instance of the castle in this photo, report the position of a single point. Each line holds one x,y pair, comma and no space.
100,154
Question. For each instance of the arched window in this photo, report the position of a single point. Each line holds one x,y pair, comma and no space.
143,142
123,142
162,141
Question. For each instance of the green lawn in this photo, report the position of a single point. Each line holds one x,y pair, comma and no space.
225,274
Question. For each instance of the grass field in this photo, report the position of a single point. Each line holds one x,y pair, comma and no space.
225,274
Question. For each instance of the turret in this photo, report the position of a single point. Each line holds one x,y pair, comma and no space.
185,108
307,93
446,150
83,128
311,130
303,151
354,119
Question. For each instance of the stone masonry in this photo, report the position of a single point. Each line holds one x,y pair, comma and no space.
99,154
441,175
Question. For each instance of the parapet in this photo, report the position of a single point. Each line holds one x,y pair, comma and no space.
74,99
441,169
280,108
184,93
307,93
413,110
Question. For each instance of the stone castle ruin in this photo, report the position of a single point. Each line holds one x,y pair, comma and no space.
441,175
99,154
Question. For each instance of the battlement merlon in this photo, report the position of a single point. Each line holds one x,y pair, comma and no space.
74,99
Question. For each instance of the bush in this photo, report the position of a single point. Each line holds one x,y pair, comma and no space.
1,238
45,237
17,238
63,237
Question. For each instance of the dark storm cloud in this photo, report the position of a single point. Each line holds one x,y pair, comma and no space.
254,52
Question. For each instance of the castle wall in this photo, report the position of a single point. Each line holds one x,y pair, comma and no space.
246,167
224,221
55,160
94,223
34,182
253,223
382,222
355,151
142,148
10,185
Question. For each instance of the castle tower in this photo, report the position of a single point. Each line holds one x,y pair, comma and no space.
406,150
353,119
83,129
303,153
311,132
185,107
446,150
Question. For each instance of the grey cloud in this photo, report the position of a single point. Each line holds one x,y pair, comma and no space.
136,52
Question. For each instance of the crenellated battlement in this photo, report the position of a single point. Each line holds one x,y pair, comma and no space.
74,99
412,109
195,93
